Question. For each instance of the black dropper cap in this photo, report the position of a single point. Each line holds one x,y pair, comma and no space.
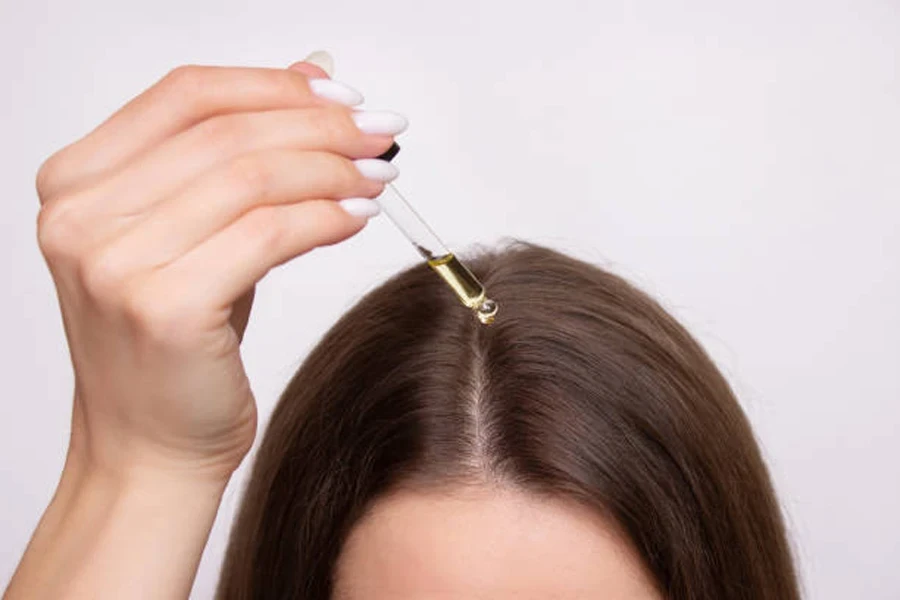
391,152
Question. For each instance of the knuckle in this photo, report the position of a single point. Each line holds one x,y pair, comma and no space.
57,229
349,180
183,75
337,175
47,176
53,174
103,275
250,175
266,229
229,132
335,126
290,85
186,82
346,173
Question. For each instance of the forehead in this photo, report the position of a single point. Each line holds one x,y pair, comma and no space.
486,543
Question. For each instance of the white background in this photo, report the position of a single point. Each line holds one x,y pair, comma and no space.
740,161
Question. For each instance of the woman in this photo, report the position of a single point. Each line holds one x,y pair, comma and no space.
583,446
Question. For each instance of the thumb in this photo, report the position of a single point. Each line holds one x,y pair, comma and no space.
318,64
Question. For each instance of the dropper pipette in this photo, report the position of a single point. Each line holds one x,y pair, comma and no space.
442,261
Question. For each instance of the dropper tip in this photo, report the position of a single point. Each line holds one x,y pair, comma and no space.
486,311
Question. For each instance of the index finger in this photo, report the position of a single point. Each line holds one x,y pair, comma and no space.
181,99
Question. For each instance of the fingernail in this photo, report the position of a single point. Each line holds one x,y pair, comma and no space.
323,60
374,168
335,90
380,122
360,207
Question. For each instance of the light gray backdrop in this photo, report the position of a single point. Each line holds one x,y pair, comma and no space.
739,160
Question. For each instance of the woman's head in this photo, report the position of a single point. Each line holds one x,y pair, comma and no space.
582,446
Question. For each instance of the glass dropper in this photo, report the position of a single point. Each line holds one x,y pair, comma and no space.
442,261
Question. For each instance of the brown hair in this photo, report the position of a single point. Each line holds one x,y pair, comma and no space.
583,388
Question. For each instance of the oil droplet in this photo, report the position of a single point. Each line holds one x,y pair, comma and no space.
487,311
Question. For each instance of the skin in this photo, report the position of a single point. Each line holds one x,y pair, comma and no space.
489,543
201,184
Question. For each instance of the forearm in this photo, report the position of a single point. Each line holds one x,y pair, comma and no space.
106,537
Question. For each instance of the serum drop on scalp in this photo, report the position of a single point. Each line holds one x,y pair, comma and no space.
462,281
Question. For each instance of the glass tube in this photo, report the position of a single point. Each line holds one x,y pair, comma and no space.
464,284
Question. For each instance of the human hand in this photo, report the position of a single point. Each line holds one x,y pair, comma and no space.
156,227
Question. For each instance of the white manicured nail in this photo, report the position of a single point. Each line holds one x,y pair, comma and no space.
323,60
375,168
380,122
360,207
335,90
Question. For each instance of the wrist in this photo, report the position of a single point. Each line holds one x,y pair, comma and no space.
127,463
84,475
